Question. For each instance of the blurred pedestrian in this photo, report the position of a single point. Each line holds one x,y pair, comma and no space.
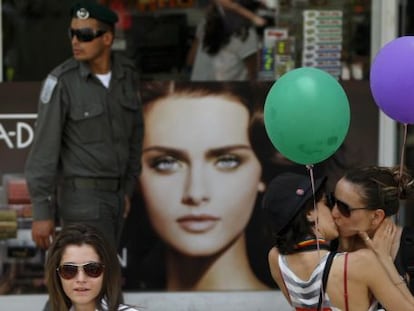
226,43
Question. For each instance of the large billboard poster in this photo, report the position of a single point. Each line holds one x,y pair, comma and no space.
196,221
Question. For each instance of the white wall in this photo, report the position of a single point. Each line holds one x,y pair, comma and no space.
384,24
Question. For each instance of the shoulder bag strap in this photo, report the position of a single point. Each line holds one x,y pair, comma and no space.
325,277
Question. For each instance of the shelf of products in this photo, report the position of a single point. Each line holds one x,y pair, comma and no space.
21,263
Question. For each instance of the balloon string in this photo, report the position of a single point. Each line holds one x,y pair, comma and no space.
312,179
402,160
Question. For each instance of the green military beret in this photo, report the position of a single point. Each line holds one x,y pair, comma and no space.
91,9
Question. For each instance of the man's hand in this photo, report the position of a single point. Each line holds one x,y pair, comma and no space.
43,232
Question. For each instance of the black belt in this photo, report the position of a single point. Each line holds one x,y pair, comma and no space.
104,184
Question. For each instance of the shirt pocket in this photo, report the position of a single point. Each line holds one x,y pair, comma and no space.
88,122
130,101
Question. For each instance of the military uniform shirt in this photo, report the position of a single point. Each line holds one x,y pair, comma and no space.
85,130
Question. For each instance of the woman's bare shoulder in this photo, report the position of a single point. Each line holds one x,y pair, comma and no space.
361,263
273,254
362,256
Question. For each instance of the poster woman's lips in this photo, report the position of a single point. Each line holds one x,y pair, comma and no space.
198,223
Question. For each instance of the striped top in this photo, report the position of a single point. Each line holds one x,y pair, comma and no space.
304,294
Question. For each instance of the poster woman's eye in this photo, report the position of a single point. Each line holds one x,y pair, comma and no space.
166,164
228,162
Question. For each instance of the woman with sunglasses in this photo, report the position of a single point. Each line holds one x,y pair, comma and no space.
311,276
366,196
83,272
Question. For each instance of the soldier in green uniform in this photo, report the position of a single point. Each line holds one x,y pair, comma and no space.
87,145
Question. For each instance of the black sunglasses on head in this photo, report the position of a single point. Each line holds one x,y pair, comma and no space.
69,271
85,34
343,208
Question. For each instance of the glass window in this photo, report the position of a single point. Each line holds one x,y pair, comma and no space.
158,34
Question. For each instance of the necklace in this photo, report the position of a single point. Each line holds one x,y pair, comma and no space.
312,244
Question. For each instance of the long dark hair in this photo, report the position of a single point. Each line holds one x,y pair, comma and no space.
222,24
382,187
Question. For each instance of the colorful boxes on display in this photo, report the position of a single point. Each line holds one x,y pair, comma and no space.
16,190
284,56
16,213
8,224
322,40
277,53
17,195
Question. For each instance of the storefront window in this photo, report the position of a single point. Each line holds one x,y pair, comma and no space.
157,34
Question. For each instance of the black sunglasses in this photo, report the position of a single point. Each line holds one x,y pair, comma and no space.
85,34
343,208
69,271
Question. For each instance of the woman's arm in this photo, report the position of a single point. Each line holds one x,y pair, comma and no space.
367,269
381,244
273,259
241,10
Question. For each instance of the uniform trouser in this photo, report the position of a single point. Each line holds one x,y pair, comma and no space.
99,208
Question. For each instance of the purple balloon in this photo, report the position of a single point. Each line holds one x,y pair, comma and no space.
392,79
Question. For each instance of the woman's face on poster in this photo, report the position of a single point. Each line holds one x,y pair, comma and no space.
200,176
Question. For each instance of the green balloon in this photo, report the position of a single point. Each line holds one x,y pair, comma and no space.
307,115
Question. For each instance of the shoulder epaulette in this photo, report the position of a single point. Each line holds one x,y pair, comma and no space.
52,79
66,66
124,61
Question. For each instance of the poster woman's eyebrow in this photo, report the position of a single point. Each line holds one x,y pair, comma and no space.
227,149
178,153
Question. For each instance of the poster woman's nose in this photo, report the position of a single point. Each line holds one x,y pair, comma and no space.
196,187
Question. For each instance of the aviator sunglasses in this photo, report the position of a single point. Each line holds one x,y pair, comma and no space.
85,34
69,271
343,208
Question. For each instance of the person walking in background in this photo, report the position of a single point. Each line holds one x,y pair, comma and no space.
310,275
365,197
244,8
226,43
88,133
83,272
